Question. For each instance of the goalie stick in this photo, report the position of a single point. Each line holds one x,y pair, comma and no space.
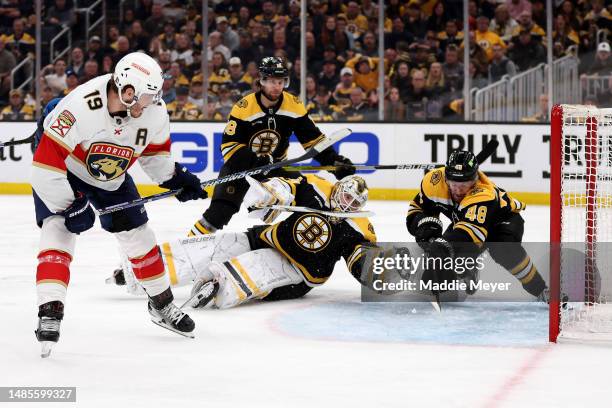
293,208
484,154
326,142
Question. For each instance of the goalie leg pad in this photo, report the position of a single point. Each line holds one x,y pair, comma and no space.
55,255
252,275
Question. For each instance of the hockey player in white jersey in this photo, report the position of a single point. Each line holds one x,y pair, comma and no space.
284,260
90,140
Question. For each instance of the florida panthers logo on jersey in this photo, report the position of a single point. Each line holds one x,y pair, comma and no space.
106,161
312,232
264,142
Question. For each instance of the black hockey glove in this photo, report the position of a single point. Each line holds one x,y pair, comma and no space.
428,228
439,248
345,167
187,182
262,160
79,216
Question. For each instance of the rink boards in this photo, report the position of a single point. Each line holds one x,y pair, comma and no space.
520,164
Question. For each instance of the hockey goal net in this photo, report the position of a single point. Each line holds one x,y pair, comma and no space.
581,223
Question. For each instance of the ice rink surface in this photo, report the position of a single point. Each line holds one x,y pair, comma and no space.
327,349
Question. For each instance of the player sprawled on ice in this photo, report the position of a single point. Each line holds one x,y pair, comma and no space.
284,260
480,213
257,133
90,140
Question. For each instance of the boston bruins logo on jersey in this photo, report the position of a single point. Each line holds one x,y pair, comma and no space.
106,161
264,142
312,232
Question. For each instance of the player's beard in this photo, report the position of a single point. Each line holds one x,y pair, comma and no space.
271,98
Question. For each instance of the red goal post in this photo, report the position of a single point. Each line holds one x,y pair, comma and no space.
580,223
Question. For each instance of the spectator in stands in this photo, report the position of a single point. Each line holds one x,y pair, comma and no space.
500,65
246,51
401,79
450,35
345,86
138,37
602,64
332,34
564,34
173,9
527,51
224,104
17,109
435,84
107,64
113,34
164,60
183,53
215,44
358,110
311,88
123,48
321,109
372,100
571,16
355,18
219,73
542,115
226,7
46,95
365,72
516,7
181,108
196,92
90,71
268,14
7,63
486,38
477,80
417,98
526,23
95,51
72,81
314,53
18,41
503,25
230,37
395,110
328,76
398,33
478,56
189,29
413,19
423,56
168,37
437,21
77,63
168,90
453,70
54,76
237,84
154,25
128,18
369,46
60,14
342,27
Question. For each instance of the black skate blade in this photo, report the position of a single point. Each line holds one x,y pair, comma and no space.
45,348
190,335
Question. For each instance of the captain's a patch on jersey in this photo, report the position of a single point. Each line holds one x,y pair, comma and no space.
64,122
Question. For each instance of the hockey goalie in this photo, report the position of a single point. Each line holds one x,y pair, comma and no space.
284,260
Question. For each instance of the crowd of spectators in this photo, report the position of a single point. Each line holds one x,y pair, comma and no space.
423,51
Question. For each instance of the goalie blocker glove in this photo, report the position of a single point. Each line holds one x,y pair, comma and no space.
187,182
79,216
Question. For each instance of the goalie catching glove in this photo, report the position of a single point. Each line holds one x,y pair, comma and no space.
269,192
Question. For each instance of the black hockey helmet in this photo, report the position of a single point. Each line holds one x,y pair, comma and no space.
461,166
273,67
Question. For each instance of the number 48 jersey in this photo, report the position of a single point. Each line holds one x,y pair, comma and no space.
81,137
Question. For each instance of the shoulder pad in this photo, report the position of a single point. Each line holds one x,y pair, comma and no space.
434,186
292,106
482,192
246,108
320,185
364,227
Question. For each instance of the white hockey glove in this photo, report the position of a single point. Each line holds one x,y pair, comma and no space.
261,195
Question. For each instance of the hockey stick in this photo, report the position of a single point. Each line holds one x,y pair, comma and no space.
348,214
323,144
481,157
27,140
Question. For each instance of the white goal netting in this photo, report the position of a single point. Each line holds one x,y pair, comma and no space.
585,223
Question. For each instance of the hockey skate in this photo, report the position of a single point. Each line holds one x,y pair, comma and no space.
50,316
166,314
202,294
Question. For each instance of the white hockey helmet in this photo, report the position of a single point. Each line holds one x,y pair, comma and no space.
349,194
144,74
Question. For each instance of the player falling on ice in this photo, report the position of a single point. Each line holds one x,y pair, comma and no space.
90,140
284,260
479,211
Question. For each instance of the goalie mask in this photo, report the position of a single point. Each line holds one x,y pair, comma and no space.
349,194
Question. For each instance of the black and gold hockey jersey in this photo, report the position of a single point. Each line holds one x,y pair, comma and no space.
313,242
483,207
253,130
